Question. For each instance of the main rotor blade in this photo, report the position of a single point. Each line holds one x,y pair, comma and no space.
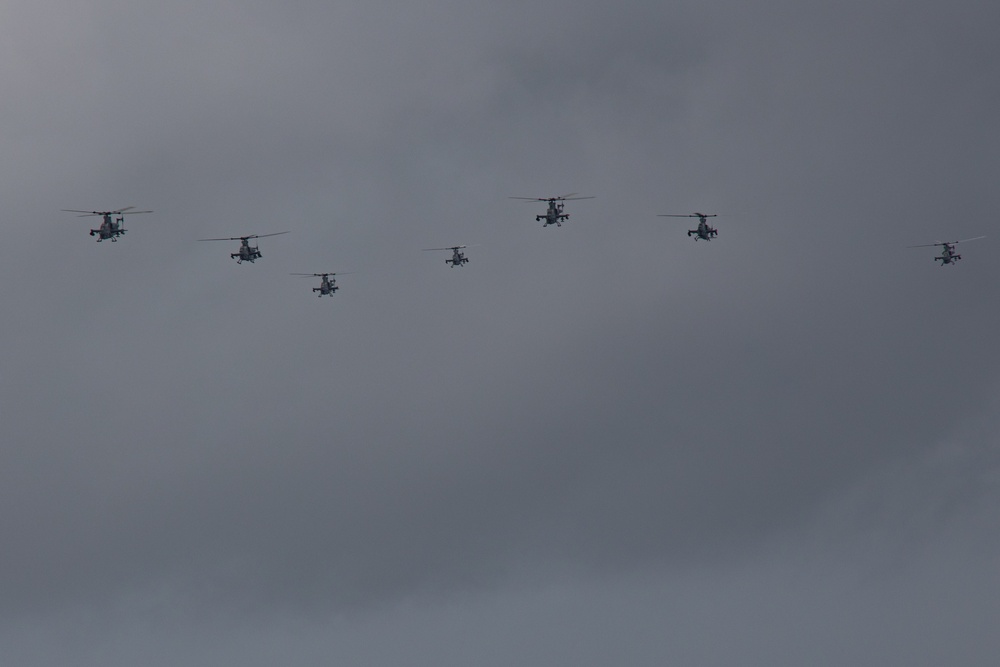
568,197
86,214
122,211
943,243
243,238
454,247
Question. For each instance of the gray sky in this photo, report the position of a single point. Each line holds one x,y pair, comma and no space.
595,444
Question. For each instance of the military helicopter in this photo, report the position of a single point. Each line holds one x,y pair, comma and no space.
554,214
327,286
111,228
703,232
458,258
948,254
247,252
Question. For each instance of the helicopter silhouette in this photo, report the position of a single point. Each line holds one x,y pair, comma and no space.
704,231
111,228
246,252
327,285
458,258
948,254
554,213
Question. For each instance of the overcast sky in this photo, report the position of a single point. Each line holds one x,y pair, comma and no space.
598,444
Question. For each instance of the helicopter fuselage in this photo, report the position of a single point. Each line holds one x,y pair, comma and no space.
246,253
948,255
553,215
109,229
703,232
326,288
457,259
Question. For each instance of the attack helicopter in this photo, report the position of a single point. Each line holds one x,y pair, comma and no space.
458,258
703,231
328,284
554,214
948,254
111,228
246,252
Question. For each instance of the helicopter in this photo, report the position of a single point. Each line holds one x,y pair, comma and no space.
111,228
703,232
458,258
554,214
328,284
247,252
948,254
